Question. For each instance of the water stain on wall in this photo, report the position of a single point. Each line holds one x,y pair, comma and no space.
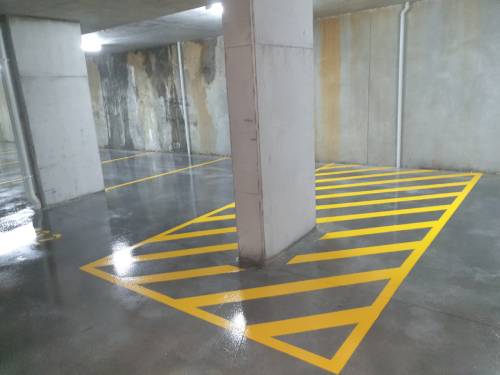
137,99
328,126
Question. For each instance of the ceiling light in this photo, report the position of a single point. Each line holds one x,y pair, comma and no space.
91,43
216,9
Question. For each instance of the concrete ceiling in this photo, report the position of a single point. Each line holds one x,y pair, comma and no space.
97,14
134,24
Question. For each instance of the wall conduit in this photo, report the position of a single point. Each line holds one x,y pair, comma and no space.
401,70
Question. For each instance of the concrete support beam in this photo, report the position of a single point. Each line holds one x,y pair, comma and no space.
269,69
54,98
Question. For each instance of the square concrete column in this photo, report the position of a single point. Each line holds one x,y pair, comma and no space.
269,70
54,102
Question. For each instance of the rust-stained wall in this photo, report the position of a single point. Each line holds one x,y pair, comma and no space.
355,86
137,104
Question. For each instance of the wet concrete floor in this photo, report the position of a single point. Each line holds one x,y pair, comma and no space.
59,319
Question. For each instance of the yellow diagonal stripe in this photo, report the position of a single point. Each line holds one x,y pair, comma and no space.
216,218
288,288
386,201
370,215
126,157
394,181
391,190
181,275
350,253
321,180
199,233
336,166
378,230
310,322
352,171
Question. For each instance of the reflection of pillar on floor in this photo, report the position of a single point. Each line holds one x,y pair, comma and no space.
54,104
269,69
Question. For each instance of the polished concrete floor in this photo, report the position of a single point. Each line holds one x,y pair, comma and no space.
144,278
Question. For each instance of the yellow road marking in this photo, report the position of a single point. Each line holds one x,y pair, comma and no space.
268,333
391,190
287,288
7,152
352,171
162,175
350,253
378,230
182,275
369,215
11,181
336,166
198,233
371,176
395,181
126,157
386,201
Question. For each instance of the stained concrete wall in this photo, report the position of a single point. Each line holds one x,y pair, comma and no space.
136,98
451,95
56,105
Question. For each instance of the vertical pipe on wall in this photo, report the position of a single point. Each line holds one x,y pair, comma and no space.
183,93
17,128
401,69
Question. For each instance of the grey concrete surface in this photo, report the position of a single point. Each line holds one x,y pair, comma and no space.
444,320
269,60
57,106
6,134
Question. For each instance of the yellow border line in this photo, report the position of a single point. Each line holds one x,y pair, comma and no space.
127,157
350,171
111,188
361,177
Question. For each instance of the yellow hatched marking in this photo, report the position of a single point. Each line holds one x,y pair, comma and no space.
268,333
351,253
126,157
350,171
378,230
8,152
369,215
182,275
111,188
364,176
288,288
394,181
391,190
199,233
386,201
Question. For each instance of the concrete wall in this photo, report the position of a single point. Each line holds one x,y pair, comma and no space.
56,107
451,111
136,98
6,134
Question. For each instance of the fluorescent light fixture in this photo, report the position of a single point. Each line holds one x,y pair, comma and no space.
216,9
91,43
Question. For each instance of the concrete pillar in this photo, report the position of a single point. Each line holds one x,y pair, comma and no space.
269,69
54,99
